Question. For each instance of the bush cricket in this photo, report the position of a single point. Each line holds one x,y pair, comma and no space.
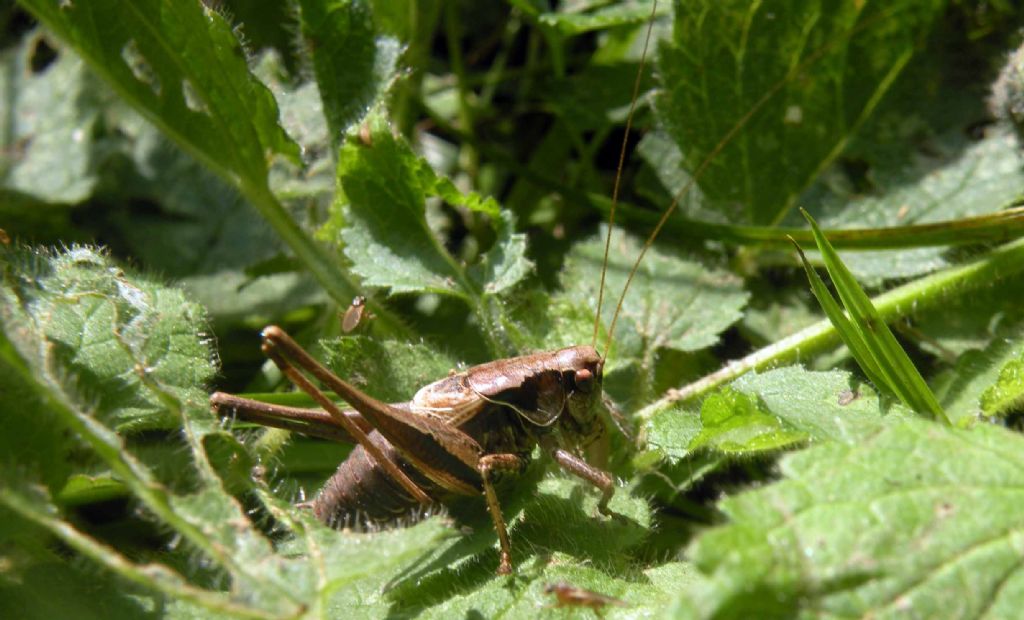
453,438
456,436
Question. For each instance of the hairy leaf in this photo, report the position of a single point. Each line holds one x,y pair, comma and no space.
917,516
387,235
354,65
985,382
819,68
778,409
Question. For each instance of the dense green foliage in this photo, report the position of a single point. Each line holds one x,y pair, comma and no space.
175,177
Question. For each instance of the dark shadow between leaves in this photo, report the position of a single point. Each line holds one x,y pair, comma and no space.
548,524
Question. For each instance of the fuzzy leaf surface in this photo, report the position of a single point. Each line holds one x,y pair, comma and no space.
915,516
774,410
825,71
387,236
354,65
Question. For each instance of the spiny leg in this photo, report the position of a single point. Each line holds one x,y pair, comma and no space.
493,463
316,422
278,346
578,467
385,418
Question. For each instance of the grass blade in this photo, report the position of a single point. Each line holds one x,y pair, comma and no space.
874,347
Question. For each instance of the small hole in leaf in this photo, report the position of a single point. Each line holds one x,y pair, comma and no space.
140,67
43,55
192,99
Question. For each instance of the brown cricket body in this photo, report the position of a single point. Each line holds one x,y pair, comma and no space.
505,423
457,436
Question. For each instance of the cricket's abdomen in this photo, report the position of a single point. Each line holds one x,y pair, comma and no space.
361,492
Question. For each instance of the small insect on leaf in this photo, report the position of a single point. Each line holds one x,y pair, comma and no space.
571,596
847,396
365,135
355,314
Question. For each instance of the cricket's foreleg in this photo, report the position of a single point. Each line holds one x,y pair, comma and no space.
279,347
578,467
490,464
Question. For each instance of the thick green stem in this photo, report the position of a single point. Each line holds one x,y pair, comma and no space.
154,576
917,296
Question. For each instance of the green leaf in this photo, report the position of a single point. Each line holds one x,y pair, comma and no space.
204,233
387,235
558,519
737,424
918,516
46,585
83,336
597,17
389,370
821,68
777,409
49,145
984,382
1008,391
640,595
354,66
91,342
504,266
188,75
952,179
120,337
673,302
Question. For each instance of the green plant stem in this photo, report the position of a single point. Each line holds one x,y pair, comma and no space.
110,448
153,576
997,227
920,295
320,263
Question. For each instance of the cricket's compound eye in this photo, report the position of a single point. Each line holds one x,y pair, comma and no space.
584,380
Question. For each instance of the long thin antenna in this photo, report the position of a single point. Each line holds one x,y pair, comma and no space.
618,173
726,139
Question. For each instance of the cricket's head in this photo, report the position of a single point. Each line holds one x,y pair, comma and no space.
583,370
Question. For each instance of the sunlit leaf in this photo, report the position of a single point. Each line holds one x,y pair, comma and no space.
917,516
820,69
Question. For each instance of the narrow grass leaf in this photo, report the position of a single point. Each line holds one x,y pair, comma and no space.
846,329
882,347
